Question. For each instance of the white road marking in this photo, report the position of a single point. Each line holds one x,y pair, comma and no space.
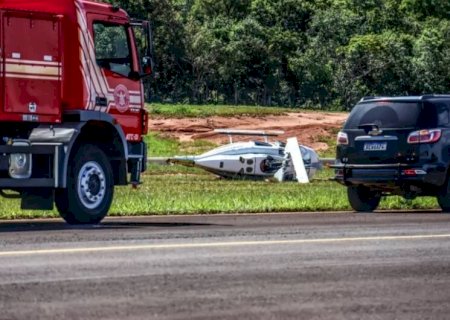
217,244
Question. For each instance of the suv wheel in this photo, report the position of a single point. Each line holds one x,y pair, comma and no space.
363,199
443,198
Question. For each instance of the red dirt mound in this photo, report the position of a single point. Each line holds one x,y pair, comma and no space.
310,128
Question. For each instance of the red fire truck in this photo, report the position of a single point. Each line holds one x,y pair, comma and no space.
72,115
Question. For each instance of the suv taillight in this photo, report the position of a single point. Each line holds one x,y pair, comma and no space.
342,138
424,136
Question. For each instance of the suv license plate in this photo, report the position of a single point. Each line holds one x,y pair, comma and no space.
375,146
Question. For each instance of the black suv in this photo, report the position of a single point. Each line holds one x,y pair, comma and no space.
395,146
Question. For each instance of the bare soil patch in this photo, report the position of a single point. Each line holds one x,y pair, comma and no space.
310,128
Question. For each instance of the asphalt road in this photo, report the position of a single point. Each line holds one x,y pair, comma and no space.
278,266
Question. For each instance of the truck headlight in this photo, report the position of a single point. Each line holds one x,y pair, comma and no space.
20,163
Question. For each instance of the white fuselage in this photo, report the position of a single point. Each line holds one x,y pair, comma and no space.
250,159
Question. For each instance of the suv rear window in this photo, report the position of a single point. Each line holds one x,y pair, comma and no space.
392,115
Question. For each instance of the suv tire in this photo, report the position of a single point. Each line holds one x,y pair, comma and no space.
363,199
443,198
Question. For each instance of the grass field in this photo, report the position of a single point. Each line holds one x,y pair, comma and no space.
181,190
159,146
205,111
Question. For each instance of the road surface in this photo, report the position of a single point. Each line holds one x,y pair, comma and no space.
271,266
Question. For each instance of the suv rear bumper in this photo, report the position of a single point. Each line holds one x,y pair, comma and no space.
391,175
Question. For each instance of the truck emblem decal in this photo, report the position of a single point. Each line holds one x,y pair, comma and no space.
122,98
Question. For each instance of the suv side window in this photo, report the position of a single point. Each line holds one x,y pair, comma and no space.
428,117
112,48
444,113
435,114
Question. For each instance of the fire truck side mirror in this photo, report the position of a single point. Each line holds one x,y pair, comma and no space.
147,59
144,43
147,65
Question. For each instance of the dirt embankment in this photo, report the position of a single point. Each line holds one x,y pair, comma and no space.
310,128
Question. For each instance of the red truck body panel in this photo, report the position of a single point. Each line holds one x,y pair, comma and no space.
49,65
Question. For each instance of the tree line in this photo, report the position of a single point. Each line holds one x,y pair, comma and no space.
324,54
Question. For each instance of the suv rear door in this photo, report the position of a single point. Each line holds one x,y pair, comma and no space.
378,131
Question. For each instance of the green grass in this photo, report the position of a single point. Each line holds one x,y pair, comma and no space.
181,190
204,111
160,146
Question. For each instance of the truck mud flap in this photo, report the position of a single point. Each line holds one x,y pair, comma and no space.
37,199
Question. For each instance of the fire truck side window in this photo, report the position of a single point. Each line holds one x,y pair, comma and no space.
111,48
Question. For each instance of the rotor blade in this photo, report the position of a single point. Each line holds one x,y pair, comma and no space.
293,149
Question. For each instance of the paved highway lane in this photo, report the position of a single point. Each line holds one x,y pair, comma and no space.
277,266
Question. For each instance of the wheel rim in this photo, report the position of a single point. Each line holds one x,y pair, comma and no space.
91,185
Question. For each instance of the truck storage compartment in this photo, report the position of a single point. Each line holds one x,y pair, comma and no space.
32,65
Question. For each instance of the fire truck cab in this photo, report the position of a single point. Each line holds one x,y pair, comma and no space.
72,115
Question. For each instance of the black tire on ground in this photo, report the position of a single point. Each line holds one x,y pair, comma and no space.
363,199
90,187
443,198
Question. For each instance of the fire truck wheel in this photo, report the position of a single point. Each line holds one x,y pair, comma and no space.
90,187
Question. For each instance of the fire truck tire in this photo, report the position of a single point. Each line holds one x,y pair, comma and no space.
90,187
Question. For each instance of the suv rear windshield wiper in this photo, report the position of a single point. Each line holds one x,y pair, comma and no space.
367,127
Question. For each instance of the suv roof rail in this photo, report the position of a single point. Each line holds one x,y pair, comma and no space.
428,96
369,98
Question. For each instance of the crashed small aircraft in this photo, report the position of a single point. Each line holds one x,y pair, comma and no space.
257,160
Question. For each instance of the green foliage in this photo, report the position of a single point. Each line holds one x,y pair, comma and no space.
234,9
432,57
296,52
375,64
426,8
